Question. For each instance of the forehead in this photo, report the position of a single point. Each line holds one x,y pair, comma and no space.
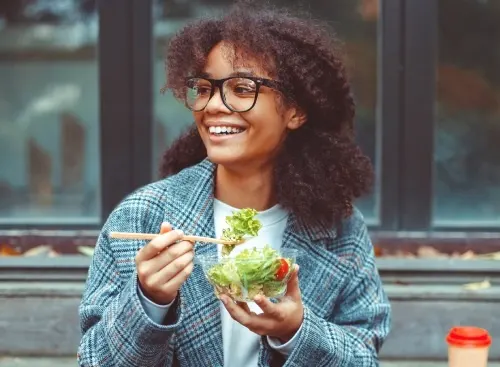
224,59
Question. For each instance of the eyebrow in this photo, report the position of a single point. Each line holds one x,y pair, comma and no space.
243,73
233,74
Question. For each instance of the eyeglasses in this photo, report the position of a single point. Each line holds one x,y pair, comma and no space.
239,94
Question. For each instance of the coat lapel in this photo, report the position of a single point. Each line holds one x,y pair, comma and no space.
306,241
199,338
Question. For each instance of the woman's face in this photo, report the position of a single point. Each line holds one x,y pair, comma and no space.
261,130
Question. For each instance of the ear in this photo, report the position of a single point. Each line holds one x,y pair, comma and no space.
297,118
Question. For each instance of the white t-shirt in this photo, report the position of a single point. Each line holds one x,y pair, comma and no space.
240,345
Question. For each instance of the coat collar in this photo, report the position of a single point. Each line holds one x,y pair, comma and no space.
197,199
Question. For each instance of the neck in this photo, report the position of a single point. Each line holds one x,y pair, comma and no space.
245,188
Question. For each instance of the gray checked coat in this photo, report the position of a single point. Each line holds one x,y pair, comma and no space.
347,313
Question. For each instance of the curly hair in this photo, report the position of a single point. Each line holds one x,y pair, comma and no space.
320,170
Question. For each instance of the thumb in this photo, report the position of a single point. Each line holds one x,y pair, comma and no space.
293,289
165,227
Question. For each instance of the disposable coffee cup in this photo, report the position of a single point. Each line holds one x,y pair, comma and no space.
468,346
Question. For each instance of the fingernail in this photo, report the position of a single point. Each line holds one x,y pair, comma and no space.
180,232
223,299
257,299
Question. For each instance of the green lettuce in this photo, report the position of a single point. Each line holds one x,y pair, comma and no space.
248,274
257,266
241,223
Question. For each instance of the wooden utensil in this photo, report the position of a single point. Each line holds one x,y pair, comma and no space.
150,236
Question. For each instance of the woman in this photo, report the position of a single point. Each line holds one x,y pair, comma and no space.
273,131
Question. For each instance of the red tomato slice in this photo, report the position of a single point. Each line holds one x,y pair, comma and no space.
282,270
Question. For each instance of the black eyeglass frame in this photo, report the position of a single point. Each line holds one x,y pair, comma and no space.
273,84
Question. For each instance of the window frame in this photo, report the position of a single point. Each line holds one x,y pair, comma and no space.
125,60
405,117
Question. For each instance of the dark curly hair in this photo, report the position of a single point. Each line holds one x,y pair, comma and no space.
320,170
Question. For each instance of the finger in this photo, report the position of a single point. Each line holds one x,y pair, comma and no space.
169,255
269,308
293,289
165,227
244,306
150,267
158,244
168,272
175,283
237,312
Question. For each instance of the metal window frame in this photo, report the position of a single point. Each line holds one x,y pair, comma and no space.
417,129
125,57
390,69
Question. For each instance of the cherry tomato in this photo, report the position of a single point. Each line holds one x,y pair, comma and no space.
282,270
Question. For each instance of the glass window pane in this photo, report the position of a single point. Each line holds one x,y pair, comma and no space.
355,22
467,144
49,127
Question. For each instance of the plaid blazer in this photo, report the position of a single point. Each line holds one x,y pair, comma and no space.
346,316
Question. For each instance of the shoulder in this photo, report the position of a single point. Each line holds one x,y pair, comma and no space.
140,210
173,188
149,205
354,225
352,241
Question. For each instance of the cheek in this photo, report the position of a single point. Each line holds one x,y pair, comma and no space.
198,117
269,121
269,108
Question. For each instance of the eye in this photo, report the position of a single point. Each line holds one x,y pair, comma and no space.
202,90
242,88
198,87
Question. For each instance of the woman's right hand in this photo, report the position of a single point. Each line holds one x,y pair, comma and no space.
164,264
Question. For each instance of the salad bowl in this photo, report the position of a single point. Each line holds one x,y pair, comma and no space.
251,272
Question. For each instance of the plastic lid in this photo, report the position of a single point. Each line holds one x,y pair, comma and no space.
468,336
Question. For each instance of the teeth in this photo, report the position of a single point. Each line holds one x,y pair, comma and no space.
224,129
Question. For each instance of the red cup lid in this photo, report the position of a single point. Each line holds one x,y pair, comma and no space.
468,336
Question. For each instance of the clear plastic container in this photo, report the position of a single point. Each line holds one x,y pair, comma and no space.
468,346
243,286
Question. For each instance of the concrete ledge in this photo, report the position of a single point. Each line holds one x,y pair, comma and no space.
39,301
41,318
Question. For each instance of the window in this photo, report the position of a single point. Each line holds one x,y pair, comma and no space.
356,24
81,128
49,113
467,138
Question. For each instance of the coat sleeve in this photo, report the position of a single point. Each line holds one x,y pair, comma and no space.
116,331
360,322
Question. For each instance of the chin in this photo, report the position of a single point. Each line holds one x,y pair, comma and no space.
222,159
225,159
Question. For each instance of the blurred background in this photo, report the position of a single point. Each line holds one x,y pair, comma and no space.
83,123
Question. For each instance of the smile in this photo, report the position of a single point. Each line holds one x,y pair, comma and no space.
224,130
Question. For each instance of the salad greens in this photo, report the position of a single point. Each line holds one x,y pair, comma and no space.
250,273
241,223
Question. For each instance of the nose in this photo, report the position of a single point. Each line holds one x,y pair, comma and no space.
216,105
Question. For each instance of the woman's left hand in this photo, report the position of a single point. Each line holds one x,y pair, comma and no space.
280,320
